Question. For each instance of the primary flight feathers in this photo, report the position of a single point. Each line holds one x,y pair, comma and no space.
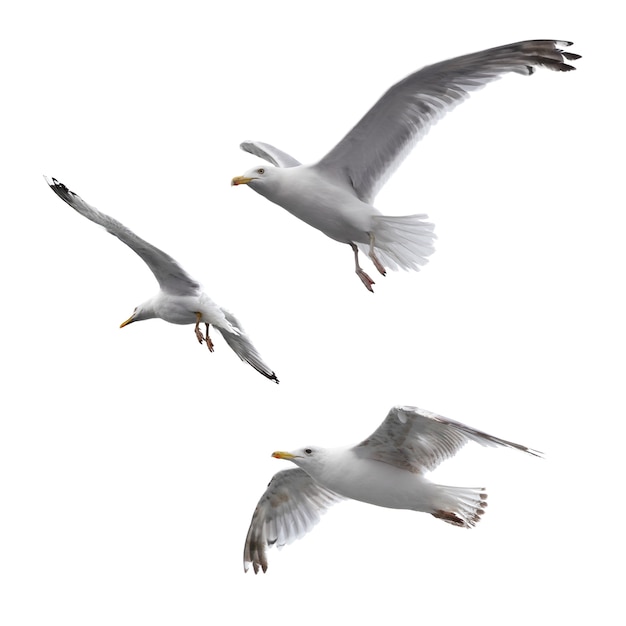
386,469
180,299
335,195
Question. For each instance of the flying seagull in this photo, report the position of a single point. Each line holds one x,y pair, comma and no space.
180,299
387,469
335,195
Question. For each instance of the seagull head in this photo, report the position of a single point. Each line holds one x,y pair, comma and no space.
260,178
305,458
141,312
256,173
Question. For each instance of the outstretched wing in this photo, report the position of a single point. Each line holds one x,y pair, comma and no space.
242,346
269,153
418,440
289,508
366,157
171,277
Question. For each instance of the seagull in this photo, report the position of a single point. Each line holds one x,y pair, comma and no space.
180,299
335,195
386,469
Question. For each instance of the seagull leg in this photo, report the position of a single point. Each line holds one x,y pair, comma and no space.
365,279
209,343
379,266
198,331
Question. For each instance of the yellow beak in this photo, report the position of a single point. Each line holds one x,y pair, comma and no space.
130,320
240,180
283,455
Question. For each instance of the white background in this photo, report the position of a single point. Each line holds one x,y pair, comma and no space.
131,460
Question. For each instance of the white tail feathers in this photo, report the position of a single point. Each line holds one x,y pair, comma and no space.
404,241
461,506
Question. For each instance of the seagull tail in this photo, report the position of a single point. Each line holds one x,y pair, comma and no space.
461,506
404,241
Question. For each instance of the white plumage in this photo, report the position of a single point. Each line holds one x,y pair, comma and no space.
180,299
386,469
335,195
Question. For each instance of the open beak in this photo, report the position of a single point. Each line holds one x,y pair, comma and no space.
240,180
283,455
130,320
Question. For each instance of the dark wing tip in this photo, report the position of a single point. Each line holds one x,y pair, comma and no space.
548,53
537,453
568,56
54,182
59,188
268,375
256,566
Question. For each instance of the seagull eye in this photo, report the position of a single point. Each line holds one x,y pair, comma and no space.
261,171
309,451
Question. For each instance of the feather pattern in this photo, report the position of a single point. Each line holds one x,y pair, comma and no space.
418,441
241,345
367,156
180,299
387,469
290,507
270,153
171,277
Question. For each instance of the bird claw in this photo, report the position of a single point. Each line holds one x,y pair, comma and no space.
209,343
199,336
366,280
372,255
205,338
379,266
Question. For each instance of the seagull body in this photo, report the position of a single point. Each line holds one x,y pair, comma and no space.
387,469
336,194
177,309
353,476
181,299
319,202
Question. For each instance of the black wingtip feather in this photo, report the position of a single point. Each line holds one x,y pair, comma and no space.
59,188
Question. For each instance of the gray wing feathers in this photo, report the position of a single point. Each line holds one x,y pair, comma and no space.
242,346
418,440
373,149
269,153
290,507
170,276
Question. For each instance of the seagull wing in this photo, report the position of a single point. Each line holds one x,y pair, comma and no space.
288,510
367,156
418,440
242,346
269,153
171,277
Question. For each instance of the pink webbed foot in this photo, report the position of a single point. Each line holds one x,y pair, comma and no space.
365,279
372,254
209,343
197,329
202,338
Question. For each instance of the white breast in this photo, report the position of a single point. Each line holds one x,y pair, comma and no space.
375,482
335,211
